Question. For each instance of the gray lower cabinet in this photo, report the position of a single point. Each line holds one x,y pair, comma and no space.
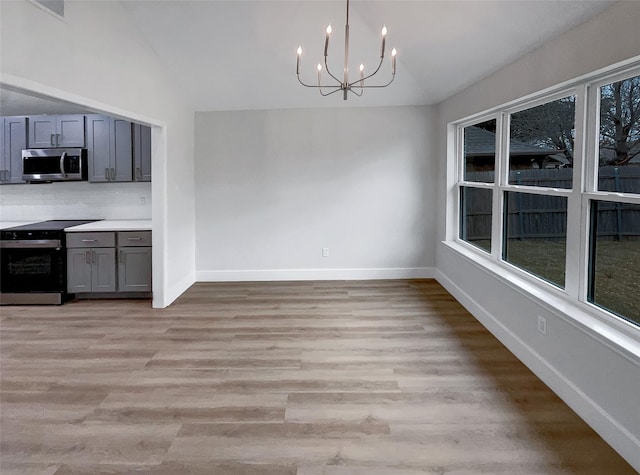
109,262
134,269
91,270
91,262
13,139
109,149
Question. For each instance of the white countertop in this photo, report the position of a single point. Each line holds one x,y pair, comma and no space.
113,225
11,224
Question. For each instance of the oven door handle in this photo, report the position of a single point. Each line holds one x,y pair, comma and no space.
62,157
31,244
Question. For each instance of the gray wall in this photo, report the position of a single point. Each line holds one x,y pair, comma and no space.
594,369
275,187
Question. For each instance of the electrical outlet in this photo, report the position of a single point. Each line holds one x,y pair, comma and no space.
143,201
542,325
325,252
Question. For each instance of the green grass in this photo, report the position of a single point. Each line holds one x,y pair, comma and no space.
617,284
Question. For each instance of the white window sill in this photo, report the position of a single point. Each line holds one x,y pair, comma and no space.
614,332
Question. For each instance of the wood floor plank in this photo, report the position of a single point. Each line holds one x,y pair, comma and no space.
279,378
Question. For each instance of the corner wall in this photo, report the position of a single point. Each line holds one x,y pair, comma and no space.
275,187
599,379
96,58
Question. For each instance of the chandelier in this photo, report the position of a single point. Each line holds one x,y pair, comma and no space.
358,86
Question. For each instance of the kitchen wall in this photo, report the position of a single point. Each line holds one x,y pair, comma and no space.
275,187
596,372
96,57
75,201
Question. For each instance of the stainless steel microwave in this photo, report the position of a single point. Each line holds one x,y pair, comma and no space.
54,164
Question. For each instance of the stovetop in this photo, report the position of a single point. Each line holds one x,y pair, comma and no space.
51,225
41,230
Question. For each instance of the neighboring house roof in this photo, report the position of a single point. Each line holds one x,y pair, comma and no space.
482,143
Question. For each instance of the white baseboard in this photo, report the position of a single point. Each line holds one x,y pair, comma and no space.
616,435
176,290
314,274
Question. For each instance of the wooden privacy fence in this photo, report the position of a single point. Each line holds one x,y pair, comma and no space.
545,217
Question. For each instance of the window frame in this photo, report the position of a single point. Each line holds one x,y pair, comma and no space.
579,197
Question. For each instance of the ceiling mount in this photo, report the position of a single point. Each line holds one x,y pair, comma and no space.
358,86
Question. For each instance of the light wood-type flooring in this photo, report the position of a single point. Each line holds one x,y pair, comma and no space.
306,378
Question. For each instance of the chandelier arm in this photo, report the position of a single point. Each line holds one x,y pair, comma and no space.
370,75
357,94
328,93
326,67
379,85
313,85
304,84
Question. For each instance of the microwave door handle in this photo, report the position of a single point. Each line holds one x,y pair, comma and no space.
62,157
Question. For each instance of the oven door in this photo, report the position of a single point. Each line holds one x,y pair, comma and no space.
32,266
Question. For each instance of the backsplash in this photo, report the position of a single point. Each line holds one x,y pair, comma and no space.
75,201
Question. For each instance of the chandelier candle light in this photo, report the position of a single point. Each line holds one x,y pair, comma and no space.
345,85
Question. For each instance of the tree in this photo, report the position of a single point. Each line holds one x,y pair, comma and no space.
550,125
620,122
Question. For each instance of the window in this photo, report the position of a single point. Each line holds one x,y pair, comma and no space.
475,217
614,224
536,234
551,187
480,152
478,172
541,143
614,277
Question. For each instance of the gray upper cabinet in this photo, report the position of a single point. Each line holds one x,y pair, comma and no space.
13,139
50,131
141,153
109,149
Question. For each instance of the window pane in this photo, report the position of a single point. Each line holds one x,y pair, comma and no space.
480,152
619,157
535,234
614,281
541,144
475,216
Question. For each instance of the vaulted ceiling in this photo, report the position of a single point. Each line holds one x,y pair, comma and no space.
242,54
239,55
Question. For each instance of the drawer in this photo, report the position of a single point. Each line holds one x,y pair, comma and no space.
101,239
134,238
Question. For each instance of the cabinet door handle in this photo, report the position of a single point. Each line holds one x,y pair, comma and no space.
121,257
88,257
93,257
51,139
106,174
113,174
135,239
88,240
138,173
57,139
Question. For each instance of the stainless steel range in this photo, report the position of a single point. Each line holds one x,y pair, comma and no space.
33,259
